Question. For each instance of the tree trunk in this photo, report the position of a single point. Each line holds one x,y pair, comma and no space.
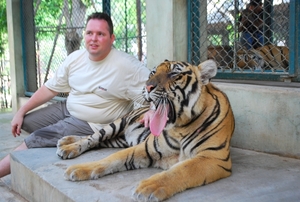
75,20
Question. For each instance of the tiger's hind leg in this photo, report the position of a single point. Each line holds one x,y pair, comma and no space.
69,140
111,135
116,162
72,146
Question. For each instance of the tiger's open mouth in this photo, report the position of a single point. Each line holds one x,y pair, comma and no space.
164,113
159,119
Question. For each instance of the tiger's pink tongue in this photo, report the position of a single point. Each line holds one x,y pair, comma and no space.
159,119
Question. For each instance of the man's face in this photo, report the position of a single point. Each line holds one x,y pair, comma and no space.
257,8
98,40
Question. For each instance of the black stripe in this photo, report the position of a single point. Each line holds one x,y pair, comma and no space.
185,63
156,146
129,163
226,159
208,121
206,136
121,128
222,146
102,132
144,135
202,140
168,140
226,169
113,126
148,153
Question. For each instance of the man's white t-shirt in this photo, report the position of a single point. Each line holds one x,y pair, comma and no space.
100,92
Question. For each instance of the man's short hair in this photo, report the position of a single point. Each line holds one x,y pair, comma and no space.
102,16
255,3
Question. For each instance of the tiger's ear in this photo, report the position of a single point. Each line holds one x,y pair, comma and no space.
208,69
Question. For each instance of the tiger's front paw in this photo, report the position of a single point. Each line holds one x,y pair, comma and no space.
85,171
68,147
150,190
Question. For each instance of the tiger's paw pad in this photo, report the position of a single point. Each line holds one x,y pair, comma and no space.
74,173
68,151
151,193
68,140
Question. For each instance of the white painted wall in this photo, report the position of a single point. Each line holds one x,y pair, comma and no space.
166,31
267,118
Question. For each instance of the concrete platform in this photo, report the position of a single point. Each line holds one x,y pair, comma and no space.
37,175
7,144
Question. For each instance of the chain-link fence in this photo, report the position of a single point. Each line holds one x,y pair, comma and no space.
241,35
59,29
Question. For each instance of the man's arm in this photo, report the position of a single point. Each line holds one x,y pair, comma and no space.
41,96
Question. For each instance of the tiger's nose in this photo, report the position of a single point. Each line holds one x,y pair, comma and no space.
149,88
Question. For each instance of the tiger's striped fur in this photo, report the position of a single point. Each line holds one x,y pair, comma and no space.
194,146
264,58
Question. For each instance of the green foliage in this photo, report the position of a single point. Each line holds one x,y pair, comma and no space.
3,26
231,33
47,17
215,39
125,24
48,12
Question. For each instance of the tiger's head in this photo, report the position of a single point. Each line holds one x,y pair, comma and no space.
249,59
174,88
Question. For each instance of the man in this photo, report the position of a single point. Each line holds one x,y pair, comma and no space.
102,83
251,25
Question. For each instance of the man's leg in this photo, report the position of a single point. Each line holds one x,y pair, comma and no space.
5,162
33,121
45,116
49,135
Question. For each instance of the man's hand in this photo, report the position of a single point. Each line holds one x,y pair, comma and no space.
147,117
16,124
41,96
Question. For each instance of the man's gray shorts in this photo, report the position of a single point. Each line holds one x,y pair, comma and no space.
47,125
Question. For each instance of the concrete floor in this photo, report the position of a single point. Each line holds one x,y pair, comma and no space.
256,177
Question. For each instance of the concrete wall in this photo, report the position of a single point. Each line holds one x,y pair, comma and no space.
267,118
166,31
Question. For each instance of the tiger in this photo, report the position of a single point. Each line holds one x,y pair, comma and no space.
188,136
251,59
268,57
